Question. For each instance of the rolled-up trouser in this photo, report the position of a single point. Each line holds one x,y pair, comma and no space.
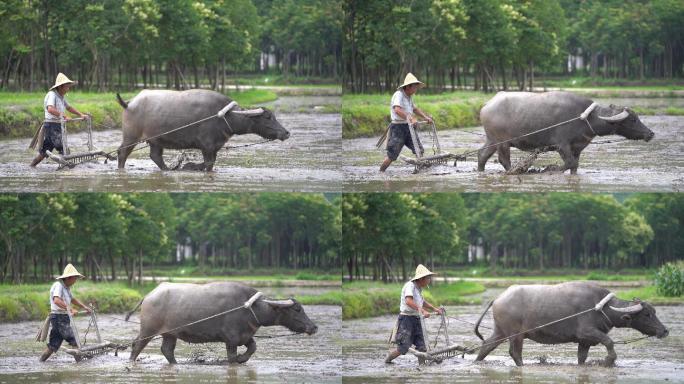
399,136
61,330
52,138
409,332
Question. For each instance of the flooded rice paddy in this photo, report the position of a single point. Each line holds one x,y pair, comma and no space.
651,360
297,359
307,161
630,166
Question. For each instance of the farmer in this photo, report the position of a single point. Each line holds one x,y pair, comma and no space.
409,329
402,111
55,107
60,302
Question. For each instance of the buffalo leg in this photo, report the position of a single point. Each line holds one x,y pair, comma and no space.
167,348
489,345
582,353
504,153
251,348
124,151
484,154
232,353
156,152
139,345
209,159
570,161
593,337
515,345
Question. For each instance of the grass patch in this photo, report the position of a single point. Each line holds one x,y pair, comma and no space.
367,299
611,84
31,301
368,115
649,293
22,112
551,274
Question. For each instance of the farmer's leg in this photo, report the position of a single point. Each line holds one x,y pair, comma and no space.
403,339
395,143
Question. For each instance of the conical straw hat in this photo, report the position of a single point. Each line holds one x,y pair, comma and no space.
69,271
61,80
421,271
411,79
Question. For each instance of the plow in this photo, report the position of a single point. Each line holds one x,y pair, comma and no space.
89,351
420,161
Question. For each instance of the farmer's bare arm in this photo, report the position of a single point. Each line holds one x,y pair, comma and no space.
428,305
404,115
412,304
75,112
80,304
424,115
53,111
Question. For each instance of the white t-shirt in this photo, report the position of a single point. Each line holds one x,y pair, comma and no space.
53,98
405,102
411,289
61,290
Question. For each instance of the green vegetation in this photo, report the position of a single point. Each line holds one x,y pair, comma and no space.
30,302
551,274
669,280
367,299
506,44
21,113
178,45
386,235
104,234
650,294
367,115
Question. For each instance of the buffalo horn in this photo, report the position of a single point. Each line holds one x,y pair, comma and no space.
616,118
250,112
631,309
279,303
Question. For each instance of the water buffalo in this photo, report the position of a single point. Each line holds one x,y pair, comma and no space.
153,112
173,305
509,115
523,307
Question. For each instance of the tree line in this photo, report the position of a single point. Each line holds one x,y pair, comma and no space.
386,235
107,233
114,44
502,44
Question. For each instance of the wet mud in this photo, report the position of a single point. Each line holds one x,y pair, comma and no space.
300,358
651,360
629,166
307,161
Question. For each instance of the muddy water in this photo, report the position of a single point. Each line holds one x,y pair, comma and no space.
298,358
630,166
307,161
651,360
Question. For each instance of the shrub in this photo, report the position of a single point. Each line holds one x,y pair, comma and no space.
669,280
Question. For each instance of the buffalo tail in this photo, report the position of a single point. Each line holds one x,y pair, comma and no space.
128,315
121,101
477,324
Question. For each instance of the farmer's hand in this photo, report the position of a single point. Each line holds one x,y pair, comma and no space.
426,314
65,117
412,119
428,118
440,311
74,312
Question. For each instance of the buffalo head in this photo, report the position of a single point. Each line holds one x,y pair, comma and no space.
290,314
642,317
626,123
262,122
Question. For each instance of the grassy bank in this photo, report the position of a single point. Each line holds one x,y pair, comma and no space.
21,113
650,294
30,302
241,274
368,115
367,299
551,274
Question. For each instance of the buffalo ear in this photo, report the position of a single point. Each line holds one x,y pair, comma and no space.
626,317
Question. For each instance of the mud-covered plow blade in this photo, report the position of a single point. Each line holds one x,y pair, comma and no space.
70,161
427,161
89,351
438,355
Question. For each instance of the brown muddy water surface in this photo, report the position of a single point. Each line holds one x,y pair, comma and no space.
629,166
307,161
651,360
300,358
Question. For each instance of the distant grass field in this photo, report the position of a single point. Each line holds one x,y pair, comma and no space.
367,299
22,112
